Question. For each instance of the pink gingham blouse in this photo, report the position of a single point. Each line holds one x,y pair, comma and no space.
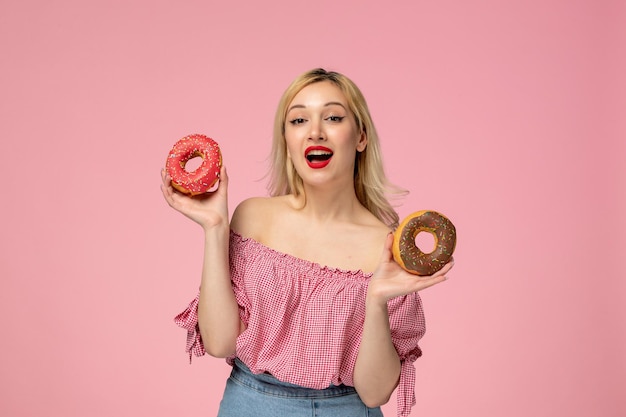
304,321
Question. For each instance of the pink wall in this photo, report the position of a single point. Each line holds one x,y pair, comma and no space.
506,116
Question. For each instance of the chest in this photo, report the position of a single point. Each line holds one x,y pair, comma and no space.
344,248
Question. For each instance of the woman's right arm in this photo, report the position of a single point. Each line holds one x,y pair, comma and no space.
218,312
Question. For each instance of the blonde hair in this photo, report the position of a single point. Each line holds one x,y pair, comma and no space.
370,183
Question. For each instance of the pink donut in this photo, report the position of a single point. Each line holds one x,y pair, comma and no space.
202,178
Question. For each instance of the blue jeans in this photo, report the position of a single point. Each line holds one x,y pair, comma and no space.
250,395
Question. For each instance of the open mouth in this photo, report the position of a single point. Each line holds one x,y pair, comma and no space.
318,156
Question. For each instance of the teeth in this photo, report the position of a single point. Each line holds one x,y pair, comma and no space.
319,152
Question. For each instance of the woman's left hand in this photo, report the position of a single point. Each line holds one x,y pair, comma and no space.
390,280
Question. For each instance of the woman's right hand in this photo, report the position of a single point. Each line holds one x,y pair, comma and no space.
208,210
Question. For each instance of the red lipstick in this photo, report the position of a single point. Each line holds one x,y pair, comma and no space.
318,156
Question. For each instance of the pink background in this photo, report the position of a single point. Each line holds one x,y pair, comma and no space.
506,116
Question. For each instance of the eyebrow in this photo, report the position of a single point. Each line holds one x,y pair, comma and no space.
302,106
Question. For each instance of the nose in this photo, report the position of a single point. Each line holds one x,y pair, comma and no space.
316,133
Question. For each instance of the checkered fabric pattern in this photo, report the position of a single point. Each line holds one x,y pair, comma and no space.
305,321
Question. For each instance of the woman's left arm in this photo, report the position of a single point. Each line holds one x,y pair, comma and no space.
377,369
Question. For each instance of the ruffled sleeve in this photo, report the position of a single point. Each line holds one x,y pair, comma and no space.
406,319
188,319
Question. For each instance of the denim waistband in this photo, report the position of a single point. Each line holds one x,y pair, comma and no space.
268,384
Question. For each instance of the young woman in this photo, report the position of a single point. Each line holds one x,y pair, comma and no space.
299,290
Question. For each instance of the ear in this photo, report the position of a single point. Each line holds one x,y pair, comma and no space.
362,143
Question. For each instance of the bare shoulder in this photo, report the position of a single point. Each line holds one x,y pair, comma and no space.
253,215
247,214
370,229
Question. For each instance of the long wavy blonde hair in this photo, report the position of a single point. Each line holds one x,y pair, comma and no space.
370,182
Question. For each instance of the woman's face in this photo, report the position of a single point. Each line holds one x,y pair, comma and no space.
321,134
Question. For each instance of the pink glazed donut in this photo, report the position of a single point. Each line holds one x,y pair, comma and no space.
202,178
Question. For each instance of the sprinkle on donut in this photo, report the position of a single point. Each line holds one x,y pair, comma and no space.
409,256
203,178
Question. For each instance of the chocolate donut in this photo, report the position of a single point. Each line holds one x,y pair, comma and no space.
409,256
202,178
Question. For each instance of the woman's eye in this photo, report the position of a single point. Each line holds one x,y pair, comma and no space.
335,118
297,121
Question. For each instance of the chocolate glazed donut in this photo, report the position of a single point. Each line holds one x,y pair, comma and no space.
409,256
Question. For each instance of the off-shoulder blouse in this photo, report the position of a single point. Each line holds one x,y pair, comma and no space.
304,321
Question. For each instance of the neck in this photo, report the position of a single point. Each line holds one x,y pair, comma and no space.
327,205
